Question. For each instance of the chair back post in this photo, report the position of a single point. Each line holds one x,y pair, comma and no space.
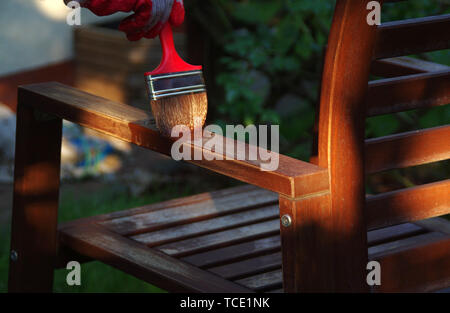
341,138
330,234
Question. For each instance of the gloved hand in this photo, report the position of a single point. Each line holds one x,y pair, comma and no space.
149,16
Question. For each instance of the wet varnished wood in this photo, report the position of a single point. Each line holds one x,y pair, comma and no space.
152,218
208,226
292,178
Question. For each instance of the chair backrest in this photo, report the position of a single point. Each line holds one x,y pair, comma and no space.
347,98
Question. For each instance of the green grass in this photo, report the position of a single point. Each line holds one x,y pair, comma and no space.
95,276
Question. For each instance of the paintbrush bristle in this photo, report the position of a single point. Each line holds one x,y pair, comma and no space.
189,110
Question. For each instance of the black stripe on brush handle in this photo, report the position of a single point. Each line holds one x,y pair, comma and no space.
173,84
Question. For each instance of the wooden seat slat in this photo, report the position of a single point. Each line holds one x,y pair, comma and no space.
256,266
435,224
224,238
379,236
399,205
240,259
176,202
415,264
262,282
404,244
235,253
413,36
182,214
248,267
408,149
260,246
270,261
208,226
265,246
411,92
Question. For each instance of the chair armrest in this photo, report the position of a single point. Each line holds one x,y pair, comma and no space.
293,178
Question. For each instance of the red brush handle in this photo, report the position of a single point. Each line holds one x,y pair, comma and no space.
171,62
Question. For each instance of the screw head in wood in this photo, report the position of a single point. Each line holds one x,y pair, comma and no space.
14,255
286,220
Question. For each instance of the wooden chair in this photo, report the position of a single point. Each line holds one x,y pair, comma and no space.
231,240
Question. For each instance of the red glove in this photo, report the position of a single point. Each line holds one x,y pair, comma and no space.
149,16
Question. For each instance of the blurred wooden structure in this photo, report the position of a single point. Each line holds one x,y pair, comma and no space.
63,72
232,240
105,63
109,64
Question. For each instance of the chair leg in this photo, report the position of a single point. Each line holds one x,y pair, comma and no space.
35,201
307,247
316,253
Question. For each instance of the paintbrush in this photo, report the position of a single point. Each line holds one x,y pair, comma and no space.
177,89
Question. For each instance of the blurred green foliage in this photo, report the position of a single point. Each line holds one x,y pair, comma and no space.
266,59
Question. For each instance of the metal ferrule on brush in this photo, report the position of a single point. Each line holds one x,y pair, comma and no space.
174,84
